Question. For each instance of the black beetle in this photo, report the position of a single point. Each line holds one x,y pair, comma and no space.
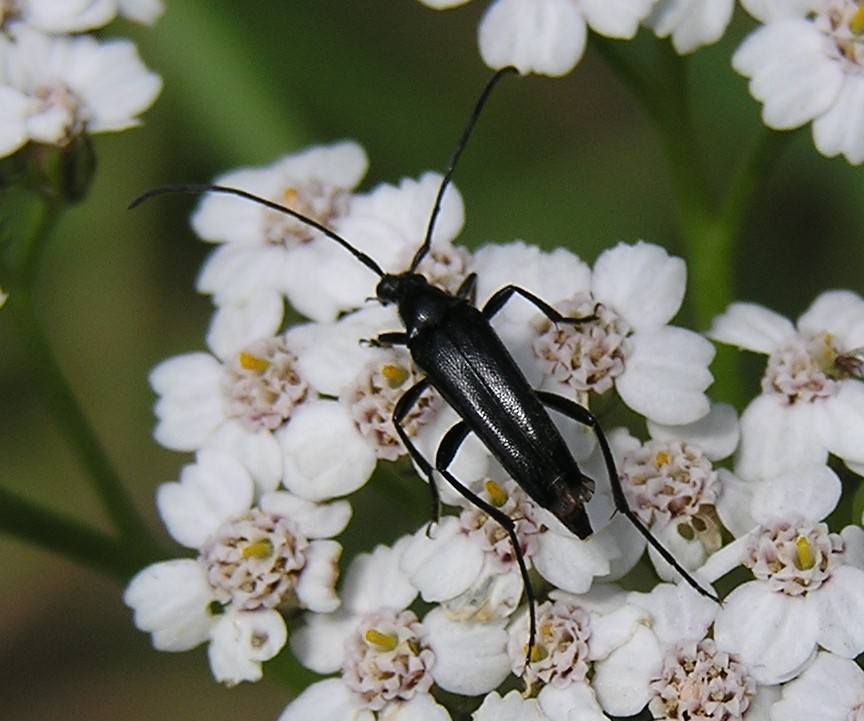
465,361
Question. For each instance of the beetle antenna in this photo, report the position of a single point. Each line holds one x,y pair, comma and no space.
211,188
454,159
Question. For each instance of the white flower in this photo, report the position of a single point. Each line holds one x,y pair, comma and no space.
548,36
671,484
593,652
252,559
805,63
830,689
812,400
513,707
75,16
388,659
257,404
809,588
691,23
660,371
57,88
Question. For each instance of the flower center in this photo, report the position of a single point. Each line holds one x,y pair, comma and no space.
493,539
560,653
262,386
9,10
794,557
374,395
588,356
673,481
388,659
842,22
317,200
59,99
254,561
700,682
445,266
806,368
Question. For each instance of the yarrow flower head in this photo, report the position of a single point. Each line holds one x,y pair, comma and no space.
55,89
812,400
806,63
548,37
255,557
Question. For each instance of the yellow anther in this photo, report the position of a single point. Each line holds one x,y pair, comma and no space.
289,196
394,375
253,363
260,549
538,653
661,459
805,560
856,24
382,642
497,495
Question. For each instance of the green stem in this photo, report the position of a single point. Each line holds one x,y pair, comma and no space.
68,537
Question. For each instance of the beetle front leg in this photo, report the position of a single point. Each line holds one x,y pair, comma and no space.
403,407
447,449
501,296
582,415
386,340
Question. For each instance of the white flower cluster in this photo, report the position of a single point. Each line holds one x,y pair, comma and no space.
805,63
285,423
57,83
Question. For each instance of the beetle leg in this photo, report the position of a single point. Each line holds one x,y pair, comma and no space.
500,297
573,410
403,407
468,289
386,340
443,458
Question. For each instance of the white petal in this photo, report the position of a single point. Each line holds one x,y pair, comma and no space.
619,542
235,271
576,701
728,557
841,313
376,580
839,421
791,72
237,324
212,490
841,608
612,630
324,454
470,658
770,10
734,504
258,451
678,612
616,18
642,282
442,564
328,700
422,707
171,600
316,585
621,681
13,128
688,553
320,644
751,327
772,633
716,433
70,16
314,520
809,491
691,23
541,36
241,641
510,708
190,408
342,164
776,437
141,11
443,4
567,562
853,537
838,130
828,690
667,374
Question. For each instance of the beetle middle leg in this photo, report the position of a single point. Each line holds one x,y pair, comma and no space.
573,410
500,297
386,340
447,449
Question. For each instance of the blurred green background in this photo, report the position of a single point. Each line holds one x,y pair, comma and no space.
572,161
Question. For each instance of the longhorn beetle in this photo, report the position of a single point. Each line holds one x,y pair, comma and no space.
463,358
